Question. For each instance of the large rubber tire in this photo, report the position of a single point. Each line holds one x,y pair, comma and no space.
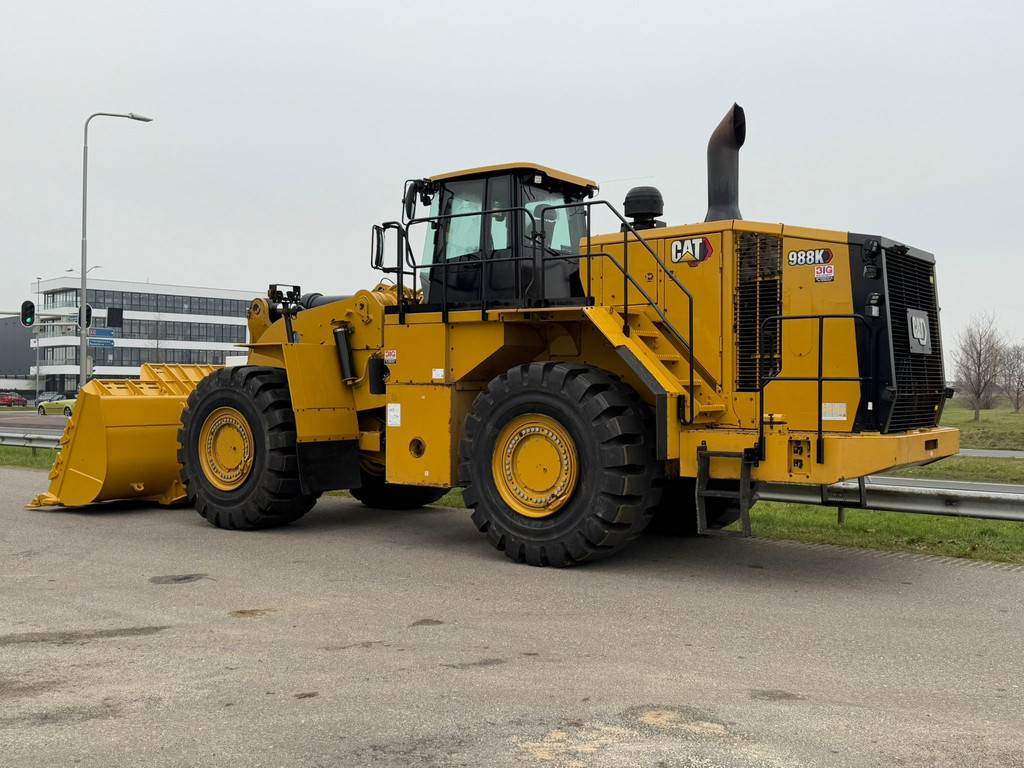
381,495
616,488
676,515
270,495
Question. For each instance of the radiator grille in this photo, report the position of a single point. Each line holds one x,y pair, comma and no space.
920,379
758,296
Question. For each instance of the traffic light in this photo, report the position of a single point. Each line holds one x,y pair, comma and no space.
28,313
88,316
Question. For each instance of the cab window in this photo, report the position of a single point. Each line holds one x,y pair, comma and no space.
562,227
468,235
463,231
464,234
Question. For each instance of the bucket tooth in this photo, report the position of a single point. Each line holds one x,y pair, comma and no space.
121,442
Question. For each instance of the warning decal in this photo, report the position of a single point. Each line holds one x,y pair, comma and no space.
394,414
833,411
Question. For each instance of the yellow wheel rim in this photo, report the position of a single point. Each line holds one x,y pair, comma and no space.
225,448
534,465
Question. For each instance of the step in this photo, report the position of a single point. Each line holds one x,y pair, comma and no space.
711,408
715,493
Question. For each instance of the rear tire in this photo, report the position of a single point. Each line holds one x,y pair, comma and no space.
262,490
377,493
67,411
41,411
590,473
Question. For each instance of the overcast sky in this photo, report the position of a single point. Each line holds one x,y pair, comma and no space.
284,130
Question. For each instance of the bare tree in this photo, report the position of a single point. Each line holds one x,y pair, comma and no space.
1012,375
978,360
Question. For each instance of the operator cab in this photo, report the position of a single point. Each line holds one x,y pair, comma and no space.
500,235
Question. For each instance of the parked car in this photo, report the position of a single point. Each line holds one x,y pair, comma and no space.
12,399
43,397
50,407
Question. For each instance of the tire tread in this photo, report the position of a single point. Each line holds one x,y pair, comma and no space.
628,490
278,499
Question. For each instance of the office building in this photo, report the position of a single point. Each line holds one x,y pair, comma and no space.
158,324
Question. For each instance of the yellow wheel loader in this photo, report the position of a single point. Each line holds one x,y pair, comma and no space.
576,385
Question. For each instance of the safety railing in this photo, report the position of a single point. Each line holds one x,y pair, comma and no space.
821,379
30,440
406,266
538,255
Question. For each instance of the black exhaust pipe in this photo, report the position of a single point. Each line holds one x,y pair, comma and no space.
724,166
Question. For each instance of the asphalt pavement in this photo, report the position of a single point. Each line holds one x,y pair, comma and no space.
137,635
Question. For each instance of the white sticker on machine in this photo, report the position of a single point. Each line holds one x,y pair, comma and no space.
830,411
437,374
394,414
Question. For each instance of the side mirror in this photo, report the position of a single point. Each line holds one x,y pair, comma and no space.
424,188
409,203
377,247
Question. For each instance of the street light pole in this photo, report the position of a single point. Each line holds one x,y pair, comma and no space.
83,342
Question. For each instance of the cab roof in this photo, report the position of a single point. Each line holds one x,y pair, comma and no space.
553,173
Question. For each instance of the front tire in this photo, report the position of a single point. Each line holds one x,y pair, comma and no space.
558,464
236,447
67,411
41,411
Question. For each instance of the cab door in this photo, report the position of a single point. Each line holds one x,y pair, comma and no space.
466,239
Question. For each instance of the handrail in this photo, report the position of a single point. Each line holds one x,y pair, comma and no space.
406,255
446,264
821,379
631,229
665,321
627,229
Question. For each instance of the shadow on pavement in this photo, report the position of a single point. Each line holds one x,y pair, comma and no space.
112,508
672,558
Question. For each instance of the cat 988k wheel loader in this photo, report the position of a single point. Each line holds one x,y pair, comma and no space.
576,385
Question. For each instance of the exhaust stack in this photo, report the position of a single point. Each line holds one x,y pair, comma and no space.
724,166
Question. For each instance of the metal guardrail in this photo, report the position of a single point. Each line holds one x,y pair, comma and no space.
30,440
883,495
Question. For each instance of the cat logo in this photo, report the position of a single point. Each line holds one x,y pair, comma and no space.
919,327
693,250
920,336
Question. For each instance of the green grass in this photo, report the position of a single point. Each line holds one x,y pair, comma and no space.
452,499
968,468
998,428
997,540
41,458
